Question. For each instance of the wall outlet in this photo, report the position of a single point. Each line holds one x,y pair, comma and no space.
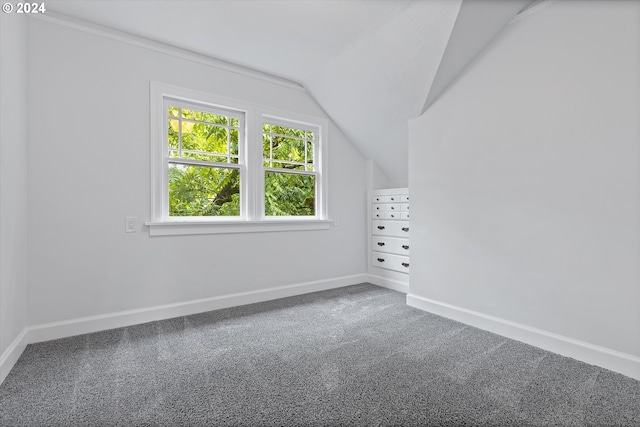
336,220
130,224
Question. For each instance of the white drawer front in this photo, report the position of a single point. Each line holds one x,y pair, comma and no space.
390,228
404,215
404,207
404,198
392,262
380,199
395,198
393,245
393,215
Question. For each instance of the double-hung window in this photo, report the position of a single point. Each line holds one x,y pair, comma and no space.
289,171
204,166
221,165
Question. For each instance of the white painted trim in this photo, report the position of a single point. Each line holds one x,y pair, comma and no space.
177,228
84,325
623,363
12,354
388,283
389,191
121,36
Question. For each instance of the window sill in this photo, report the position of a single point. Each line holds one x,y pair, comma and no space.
177,228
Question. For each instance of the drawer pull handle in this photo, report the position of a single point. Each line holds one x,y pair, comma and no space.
403,228
381,227
392,208
405,264
405,247
380,244
380,259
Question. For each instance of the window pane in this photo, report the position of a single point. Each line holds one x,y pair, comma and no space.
288,194
281,130
173,111
234,141
204,117
309,155
201,137
266,146
288,149
203,191
173,134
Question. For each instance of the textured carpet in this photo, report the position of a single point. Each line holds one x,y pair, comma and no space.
351,356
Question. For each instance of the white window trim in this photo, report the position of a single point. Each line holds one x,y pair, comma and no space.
252,218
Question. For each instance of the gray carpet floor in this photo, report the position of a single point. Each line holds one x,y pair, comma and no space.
351,356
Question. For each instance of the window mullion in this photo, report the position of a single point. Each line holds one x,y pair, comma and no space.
254,192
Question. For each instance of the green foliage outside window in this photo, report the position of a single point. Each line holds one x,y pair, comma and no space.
286,148
289,194
203,191
214,190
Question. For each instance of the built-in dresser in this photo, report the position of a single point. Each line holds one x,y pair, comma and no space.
389,234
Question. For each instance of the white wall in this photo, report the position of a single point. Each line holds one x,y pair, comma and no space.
376,178
525,178
89,168
13,182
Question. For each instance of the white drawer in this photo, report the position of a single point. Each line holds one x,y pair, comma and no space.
387,215
394,207
380,199
392,262
404,207
394,198
393,245
379,207
404,215
390,228
404,198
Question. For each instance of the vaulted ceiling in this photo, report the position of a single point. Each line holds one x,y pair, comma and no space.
370,64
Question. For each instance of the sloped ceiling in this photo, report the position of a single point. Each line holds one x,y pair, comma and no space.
369,63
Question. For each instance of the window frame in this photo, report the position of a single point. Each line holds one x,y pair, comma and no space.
317,166
240,166
250,163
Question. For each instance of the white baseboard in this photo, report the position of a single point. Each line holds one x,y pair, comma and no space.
12,354
84,325
388,283
623,363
